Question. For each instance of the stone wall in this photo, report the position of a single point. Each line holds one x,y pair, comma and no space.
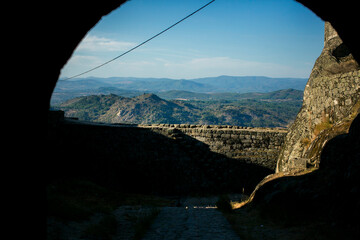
163,159
333,96
259,146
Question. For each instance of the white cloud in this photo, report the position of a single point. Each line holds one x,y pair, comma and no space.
93,51
84,60
94,43
79,63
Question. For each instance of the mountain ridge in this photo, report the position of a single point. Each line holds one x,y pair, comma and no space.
67,92
238,84
260,111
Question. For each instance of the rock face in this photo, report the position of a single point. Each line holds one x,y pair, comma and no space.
328,195
331,95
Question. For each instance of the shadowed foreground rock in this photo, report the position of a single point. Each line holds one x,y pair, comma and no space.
325,137
329,194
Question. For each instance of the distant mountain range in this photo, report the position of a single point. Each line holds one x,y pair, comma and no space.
225,87
275,109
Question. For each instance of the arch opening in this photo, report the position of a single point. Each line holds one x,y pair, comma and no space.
192,68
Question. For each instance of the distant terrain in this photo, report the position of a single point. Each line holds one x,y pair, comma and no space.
225,100
211,88
274,109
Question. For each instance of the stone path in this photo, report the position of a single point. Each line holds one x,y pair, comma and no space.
194,218
190,222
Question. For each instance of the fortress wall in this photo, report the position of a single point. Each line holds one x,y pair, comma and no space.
165,159
260,146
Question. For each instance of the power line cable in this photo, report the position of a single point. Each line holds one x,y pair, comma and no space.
132,49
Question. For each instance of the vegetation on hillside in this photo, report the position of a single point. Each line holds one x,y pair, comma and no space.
276,109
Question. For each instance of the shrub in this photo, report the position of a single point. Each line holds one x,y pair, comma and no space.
324,124
223,204
305,141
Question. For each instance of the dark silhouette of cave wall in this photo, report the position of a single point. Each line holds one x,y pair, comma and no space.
63,25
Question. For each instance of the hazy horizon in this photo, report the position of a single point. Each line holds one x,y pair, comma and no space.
86,77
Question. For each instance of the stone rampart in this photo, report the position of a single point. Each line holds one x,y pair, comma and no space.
260,146
166,159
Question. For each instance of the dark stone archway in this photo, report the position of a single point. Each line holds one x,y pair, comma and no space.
67,22
64,25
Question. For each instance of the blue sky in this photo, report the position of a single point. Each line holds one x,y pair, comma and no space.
274,38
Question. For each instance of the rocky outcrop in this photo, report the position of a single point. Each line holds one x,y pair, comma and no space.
328,195
331,95
326,135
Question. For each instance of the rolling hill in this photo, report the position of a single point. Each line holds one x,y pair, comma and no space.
276,109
